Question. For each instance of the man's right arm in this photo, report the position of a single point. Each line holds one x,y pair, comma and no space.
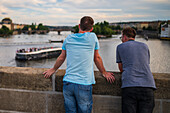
99,63
119,61
58,63
120,67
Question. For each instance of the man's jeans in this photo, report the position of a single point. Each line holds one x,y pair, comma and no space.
77,98
137,100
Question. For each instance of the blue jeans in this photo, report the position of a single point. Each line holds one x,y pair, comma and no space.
77,98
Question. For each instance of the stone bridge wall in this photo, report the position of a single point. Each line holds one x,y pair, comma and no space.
26,90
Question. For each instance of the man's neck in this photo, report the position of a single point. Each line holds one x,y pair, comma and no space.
83,31
131,39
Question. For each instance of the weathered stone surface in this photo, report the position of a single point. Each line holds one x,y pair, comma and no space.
56,103
23,101
103,87
33,79
106,104
157,108
166,106
162,81
24,78
53,102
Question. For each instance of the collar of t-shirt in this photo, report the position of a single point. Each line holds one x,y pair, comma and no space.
130,40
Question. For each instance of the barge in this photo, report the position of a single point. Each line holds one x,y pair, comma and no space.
51,52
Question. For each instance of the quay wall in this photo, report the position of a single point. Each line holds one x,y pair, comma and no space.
24,89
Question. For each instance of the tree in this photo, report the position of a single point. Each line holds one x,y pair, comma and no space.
100,28
76,29
41,27
118,27
32,26
26,27
97,29
4,31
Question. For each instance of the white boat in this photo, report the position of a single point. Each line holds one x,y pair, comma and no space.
39,54
165,31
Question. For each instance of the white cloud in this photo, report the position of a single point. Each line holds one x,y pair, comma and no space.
68,12
157,1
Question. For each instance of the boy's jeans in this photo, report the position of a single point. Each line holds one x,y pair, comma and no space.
77,98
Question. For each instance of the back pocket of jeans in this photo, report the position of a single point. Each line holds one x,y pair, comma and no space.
85,87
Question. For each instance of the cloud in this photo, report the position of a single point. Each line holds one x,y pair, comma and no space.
68,12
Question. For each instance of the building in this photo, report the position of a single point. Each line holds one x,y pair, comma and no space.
19,26
7,22
165,31
142,25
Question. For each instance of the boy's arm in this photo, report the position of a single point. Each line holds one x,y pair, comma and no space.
99,63
58,63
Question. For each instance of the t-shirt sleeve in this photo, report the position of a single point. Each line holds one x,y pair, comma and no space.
118,59
96,43
64,45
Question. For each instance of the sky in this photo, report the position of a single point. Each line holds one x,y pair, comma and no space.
69,12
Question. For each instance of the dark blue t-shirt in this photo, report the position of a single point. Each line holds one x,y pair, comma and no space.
135,58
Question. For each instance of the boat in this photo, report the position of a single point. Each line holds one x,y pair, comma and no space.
56,41
38,53
165,32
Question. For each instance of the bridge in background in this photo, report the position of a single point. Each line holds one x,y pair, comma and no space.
59,29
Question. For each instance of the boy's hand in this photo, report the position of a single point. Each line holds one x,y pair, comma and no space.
109,76
49,72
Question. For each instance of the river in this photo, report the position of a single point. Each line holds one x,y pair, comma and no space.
159,51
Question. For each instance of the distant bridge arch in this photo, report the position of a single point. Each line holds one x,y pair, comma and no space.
59,30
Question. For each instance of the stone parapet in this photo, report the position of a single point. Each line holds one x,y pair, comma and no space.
33,79
29,101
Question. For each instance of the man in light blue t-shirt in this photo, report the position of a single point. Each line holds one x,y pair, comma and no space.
81,49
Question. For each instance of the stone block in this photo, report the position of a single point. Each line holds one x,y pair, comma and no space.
24,78
22,101
157,108
106,104
166,106
56,103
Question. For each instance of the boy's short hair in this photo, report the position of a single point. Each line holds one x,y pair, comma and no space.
129,32
86,23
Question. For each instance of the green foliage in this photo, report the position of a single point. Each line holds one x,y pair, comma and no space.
4,31
33,27
26,27
97,29
103,28
41,27
100,28
76,29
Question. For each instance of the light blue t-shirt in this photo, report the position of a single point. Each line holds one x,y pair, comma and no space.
80,49
135,58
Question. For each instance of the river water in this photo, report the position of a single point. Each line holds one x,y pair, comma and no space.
159,51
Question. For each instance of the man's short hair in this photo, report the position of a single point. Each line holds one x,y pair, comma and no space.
129,32
86,23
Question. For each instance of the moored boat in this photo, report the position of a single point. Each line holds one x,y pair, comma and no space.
40,53
165,31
